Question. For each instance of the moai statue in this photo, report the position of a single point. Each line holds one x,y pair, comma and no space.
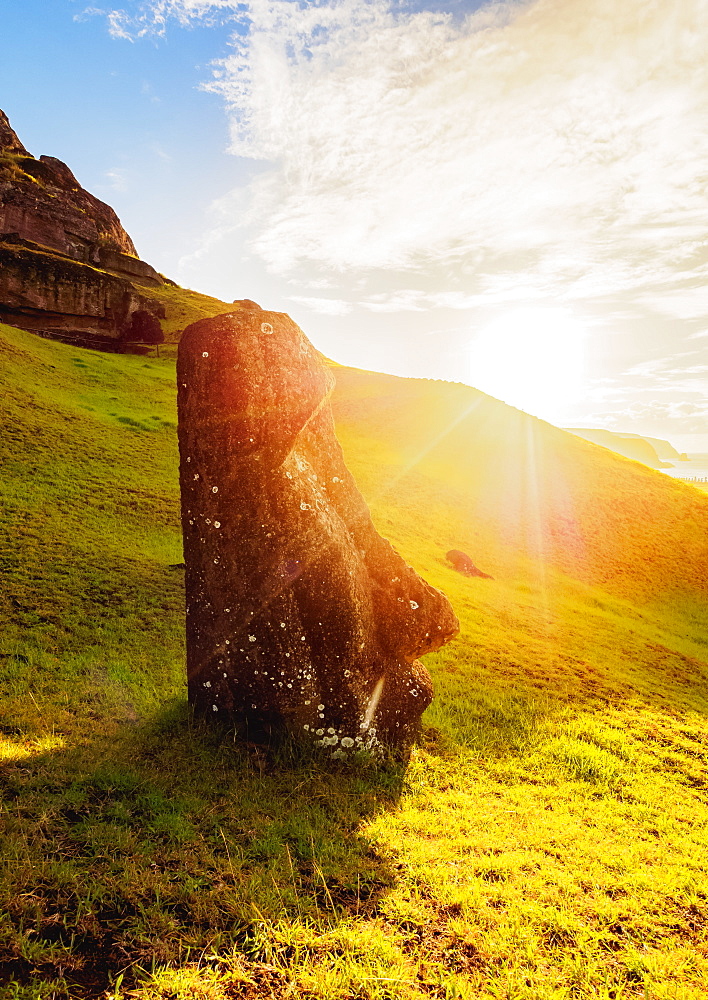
301,618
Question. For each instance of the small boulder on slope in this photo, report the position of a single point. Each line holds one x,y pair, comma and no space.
463,564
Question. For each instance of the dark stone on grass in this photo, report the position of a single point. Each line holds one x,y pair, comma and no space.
463,564
301,619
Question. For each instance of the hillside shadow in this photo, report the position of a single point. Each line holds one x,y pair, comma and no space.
165,843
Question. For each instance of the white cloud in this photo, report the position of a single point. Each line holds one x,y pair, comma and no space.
118,178
326,307
572,130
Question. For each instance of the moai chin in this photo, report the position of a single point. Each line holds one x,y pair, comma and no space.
301,618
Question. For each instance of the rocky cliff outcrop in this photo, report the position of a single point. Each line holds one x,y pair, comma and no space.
301,618
42,201
59,297
68,266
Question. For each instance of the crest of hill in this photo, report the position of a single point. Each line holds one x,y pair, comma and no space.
630,445
509,488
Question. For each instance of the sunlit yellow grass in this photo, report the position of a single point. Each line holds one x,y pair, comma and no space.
549,836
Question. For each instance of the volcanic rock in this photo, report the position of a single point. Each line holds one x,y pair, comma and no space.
53,295
69,268
9,141
42,201
463,564
301,618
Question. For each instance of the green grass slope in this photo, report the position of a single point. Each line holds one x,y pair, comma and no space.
548,838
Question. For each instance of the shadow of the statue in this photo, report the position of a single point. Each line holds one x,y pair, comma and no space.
169,841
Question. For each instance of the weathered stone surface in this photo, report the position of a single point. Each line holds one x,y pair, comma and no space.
42,201
463,564
51,294
57,243
9,141
300,616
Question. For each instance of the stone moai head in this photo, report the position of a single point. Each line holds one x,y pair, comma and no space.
301,618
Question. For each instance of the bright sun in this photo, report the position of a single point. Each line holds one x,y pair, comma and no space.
531,358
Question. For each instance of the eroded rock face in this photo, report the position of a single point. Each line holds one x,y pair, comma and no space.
42,201
51,294
68,268
300,617
9,140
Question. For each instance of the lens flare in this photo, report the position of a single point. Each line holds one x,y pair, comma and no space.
531,358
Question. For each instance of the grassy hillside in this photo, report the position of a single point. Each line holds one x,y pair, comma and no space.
548,839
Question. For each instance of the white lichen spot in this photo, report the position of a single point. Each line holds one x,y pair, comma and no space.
215,489
335,479
282,624
395,579
214,708
217,524
189,458
208,520
320,732
320,708
266,328
347,741
302,638
331,730
414,605
306,727
205,354
207,684
251,638
305,506
227,611
196,475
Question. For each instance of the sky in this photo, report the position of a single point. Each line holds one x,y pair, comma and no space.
511,194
